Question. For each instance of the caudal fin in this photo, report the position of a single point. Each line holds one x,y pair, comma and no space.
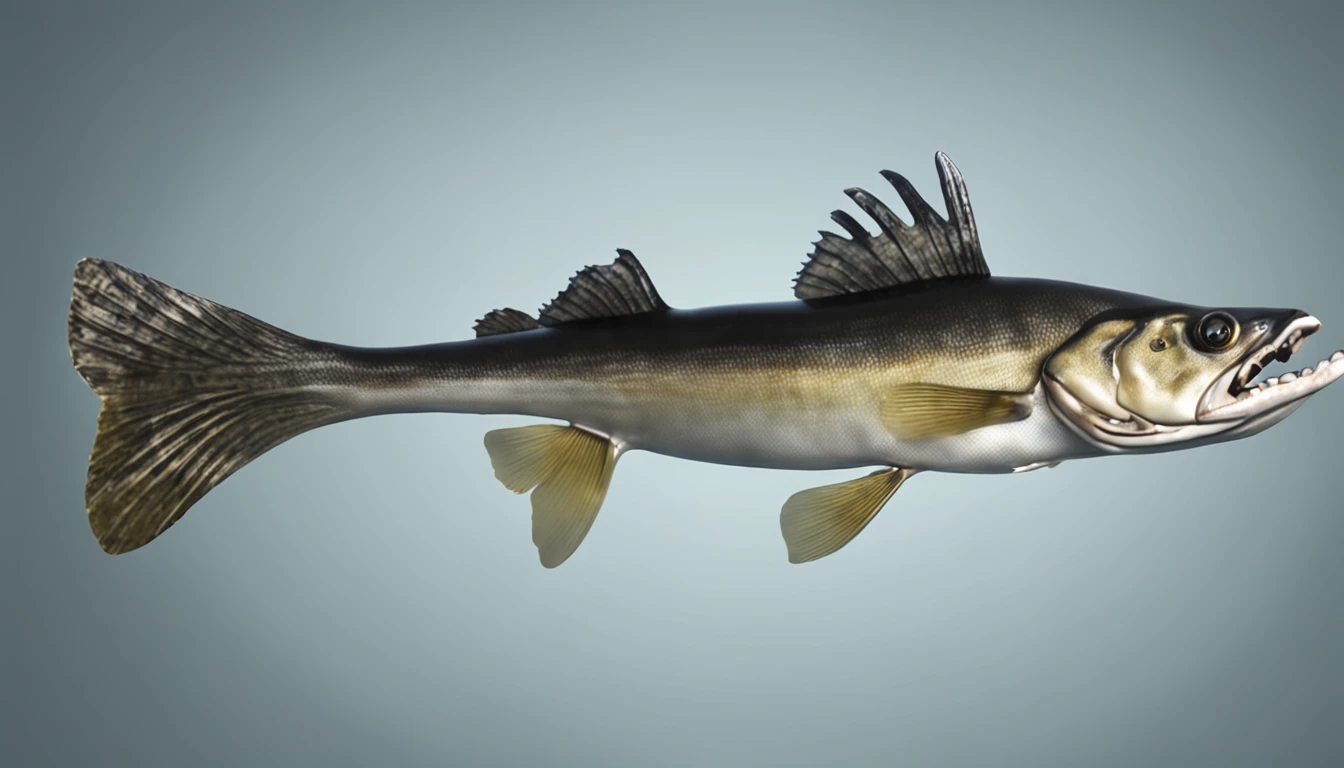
191,391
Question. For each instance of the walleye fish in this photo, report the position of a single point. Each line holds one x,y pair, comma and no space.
901,352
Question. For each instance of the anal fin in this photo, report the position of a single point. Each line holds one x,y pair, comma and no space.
819,521
917,411
567,469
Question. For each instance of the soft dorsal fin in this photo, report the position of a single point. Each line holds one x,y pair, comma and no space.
506,320
612,290
929,249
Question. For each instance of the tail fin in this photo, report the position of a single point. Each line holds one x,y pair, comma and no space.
191,392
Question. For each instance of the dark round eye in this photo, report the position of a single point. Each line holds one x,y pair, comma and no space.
1216,331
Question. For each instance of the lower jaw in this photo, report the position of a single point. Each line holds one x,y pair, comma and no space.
1257,424
1256,403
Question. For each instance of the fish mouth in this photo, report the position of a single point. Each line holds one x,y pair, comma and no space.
1237,396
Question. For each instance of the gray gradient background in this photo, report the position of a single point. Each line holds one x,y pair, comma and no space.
369,594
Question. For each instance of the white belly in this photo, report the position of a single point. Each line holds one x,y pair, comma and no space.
766,436
763,435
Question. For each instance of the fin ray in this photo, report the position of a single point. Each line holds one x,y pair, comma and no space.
191,392
917,411
818,521
611,290
506,320
567,470
930,248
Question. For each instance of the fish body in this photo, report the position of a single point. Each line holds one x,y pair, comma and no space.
901,352
791,385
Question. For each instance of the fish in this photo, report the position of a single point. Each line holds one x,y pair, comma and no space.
899,353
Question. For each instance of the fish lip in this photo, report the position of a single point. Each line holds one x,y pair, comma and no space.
1232,395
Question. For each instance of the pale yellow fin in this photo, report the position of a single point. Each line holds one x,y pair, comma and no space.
569,468
818,521
915,411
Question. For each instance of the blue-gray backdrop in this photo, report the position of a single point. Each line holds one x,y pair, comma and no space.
384,173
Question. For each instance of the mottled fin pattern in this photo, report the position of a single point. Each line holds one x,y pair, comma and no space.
191,392
916,411
930,248
819,521
507,320
567,469
612,290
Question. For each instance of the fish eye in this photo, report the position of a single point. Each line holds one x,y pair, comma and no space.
1216,331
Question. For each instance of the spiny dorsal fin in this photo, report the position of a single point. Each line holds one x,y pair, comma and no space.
506,320
929,249
612,290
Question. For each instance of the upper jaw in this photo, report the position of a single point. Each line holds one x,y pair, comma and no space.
1236,396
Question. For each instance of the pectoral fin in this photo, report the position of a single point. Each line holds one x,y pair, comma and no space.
915,411
818,521
567,469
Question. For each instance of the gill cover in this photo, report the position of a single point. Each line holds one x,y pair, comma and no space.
1084,368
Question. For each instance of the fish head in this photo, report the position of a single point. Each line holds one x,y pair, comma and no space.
1179,376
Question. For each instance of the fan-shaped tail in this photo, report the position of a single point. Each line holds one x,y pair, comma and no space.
191,392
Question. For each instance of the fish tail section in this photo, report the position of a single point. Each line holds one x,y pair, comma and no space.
191,391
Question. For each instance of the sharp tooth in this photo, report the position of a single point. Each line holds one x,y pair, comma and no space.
1337,356
1272,382
1259,387
1306,371
1297,345
1287,377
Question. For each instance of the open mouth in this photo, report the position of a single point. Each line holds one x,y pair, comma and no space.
1237,394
